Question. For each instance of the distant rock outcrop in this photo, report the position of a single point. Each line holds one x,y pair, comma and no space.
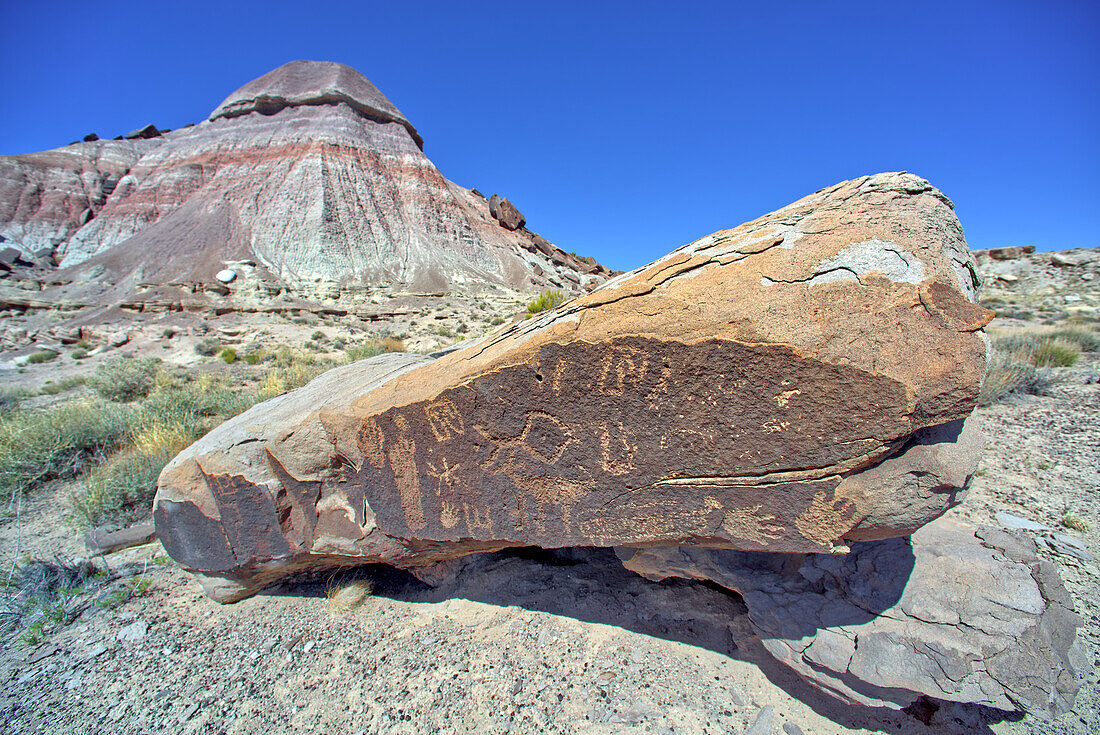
1019,283
45,198
757,389
309,171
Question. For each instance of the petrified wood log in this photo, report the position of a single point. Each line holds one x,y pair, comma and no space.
770,387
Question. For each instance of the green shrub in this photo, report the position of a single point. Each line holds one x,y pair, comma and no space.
1074,521
496,321
83,345
545,301
208,347
318,336
41,356
339,343
228,355
252,358
125,379
65,384
79,353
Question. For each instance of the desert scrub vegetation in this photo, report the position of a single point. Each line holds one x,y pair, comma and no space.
62,386
140,416
124,379
1019,360
1073,521
545,301
37,358
39,596
174,414
59,442
362,351
208,347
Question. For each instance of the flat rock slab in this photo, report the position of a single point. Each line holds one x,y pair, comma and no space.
957,612
796,384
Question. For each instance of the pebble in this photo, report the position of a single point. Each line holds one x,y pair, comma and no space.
763,723
134,632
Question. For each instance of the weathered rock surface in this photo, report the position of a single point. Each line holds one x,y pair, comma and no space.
795,384
1019,283
47,197
957,612
506,213
309,171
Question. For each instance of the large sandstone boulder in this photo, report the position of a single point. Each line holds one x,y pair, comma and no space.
795,384
957,612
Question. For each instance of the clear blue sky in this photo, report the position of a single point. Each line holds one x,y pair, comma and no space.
625,129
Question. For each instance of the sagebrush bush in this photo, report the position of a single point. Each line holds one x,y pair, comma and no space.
208,347
125,379
228,355
545,301
41,356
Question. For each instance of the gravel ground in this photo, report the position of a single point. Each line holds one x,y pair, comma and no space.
533,642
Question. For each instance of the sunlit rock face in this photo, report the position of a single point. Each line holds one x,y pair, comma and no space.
795,384
309,172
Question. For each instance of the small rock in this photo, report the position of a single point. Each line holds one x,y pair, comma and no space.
97,651
792,729
763,724
226,276
134,632
1069,549
308,646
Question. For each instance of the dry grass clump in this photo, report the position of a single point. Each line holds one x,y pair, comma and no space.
1074,521
343,599
1086,339
1005,375
42,593
1040,349
362,351
1019,359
